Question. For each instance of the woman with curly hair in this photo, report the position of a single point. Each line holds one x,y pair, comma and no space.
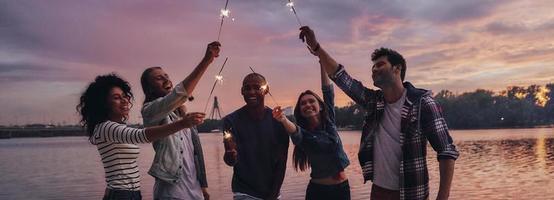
317,143
104,109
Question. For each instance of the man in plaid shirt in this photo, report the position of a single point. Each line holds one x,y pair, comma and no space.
400,120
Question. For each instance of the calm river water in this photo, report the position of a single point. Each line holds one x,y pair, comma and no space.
494,164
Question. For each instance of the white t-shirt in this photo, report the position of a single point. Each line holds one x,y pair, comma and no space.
387,151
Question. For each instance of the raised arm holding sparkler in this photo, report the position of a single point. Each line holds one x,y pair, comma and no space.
388,73
163,104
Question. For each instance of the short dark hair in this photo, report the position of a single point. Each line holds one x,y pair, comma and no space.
393,57
93,104
253,75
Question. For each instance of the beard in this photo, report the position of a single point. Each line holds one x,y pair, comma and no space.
383,80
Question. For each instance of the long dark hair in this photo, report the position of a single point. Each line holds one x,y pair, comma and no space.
299,157
93,105
146,86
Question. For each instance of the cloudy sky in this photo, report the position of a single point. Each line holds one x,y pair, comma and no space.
51,50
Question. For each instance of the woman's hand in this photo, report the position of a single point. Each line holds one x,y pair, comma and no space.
192,119
279,115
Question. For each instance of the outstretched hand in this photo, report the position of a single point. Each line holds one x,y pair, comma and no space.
193,119
212,51
307,35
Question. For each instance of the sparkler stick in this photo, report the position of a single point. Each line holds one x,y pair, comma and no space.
264,87
218,78
223,13
291,5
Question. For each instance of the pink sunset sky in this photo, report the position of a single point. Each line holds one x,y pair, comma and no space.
51,50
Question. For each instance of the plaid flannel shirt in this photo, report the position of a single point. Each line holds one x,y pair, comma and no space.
421,121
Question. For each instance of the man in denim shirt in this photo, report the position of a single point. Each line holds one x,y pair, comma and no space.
178,166
400,120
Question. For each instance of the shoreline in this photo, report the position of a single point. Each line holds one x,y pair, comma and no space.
7,133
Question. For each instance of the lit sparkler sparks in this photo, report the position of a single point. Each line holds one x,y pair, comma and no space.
218,78
228,140
290,4
223,13
227,135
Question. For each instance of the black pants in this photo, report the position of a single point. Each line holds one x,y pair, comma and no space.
111,194
339,191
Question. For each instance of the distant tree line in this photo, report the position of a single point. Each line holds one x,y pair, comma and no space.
514,107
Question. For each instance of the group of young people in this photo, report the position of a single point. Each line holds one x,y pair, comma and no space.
400,120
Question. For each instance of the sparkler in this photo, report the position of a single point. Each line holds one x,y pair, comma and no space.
228,140
218,78
290,4
227,135
223,13
264,87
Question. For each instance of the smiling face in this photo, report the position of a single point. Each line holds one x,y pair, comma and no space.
254,88
160,85
309,106
119,104
310,110
383,73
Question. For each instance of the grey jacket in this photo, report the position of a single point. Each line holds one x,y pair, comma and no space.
168,158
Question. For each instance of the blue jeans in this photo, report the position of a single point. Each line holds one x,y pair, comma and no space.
111,194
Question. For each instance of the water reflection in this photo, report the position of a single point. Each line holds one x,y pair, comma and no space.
540,151
505,169
494,164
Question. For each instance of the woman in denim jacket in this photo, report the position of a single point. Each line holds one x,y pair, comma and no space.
317,143
178,166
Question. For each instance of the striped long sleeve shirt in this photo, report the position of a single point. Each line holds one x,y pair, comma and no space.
116,144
